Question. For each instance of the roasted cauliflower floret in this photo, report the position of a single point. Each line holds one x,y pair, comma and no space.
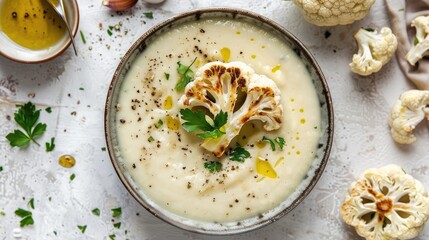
334,12
421,42
411,108
219,86
386,204
375,50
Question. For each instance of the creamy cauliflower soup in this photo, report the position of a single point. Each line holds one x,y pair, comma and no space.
168,163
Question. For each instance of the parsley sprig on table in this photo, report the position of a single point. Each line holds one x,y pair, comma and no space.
27,217
186,75
26,117
50,146
197,122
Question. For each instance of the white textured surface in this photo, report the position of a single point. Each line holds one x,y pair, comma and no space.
362,138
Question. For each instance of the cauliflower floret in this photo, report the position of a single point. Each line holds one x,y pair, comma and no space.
386,204
375,50
421,45
408,111
333,12
218,86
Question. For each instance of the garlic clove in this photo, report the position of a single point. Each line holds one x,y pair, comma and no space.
154,1
119,5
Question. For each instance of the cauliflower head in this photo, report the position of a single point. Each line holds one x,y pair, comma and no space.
334,12
421,43
386,204
375,50
409,110
221,87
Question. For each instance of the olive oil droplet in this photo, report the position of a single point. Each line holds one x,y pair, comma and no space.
67,161
226,54
172,123
280,160
275,69
168,103
264,168
260,144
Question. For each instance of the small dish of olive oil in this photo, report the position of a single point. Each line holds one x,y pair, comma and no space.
31,23
31,31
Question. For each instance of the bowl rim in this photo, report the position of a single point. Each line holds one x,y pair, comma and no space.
197,13
75,26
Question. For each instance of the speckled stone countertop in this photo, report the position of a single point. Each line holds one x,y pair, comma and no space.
75,88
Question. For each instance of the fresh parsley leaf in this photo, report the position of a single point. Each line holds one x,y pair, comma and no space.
182,69
212,134
197,122
109,32
38,130
213,166
112,237
159,123
265,139
220,119
280,141
48,109
82,228
26,221
31,203
116,212
18,139
83,37
50,146
22,213
186,75
148,15
27,217
26,117
369,30
167,75
72,177
239,154
1,168
117,225
150,139
103,149
96,211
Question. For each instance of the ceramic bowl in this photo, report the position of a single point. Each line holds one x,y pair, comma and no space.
17,53
307,183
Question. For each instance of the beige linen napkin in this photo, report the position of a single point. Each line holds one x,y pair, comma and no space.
401,13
